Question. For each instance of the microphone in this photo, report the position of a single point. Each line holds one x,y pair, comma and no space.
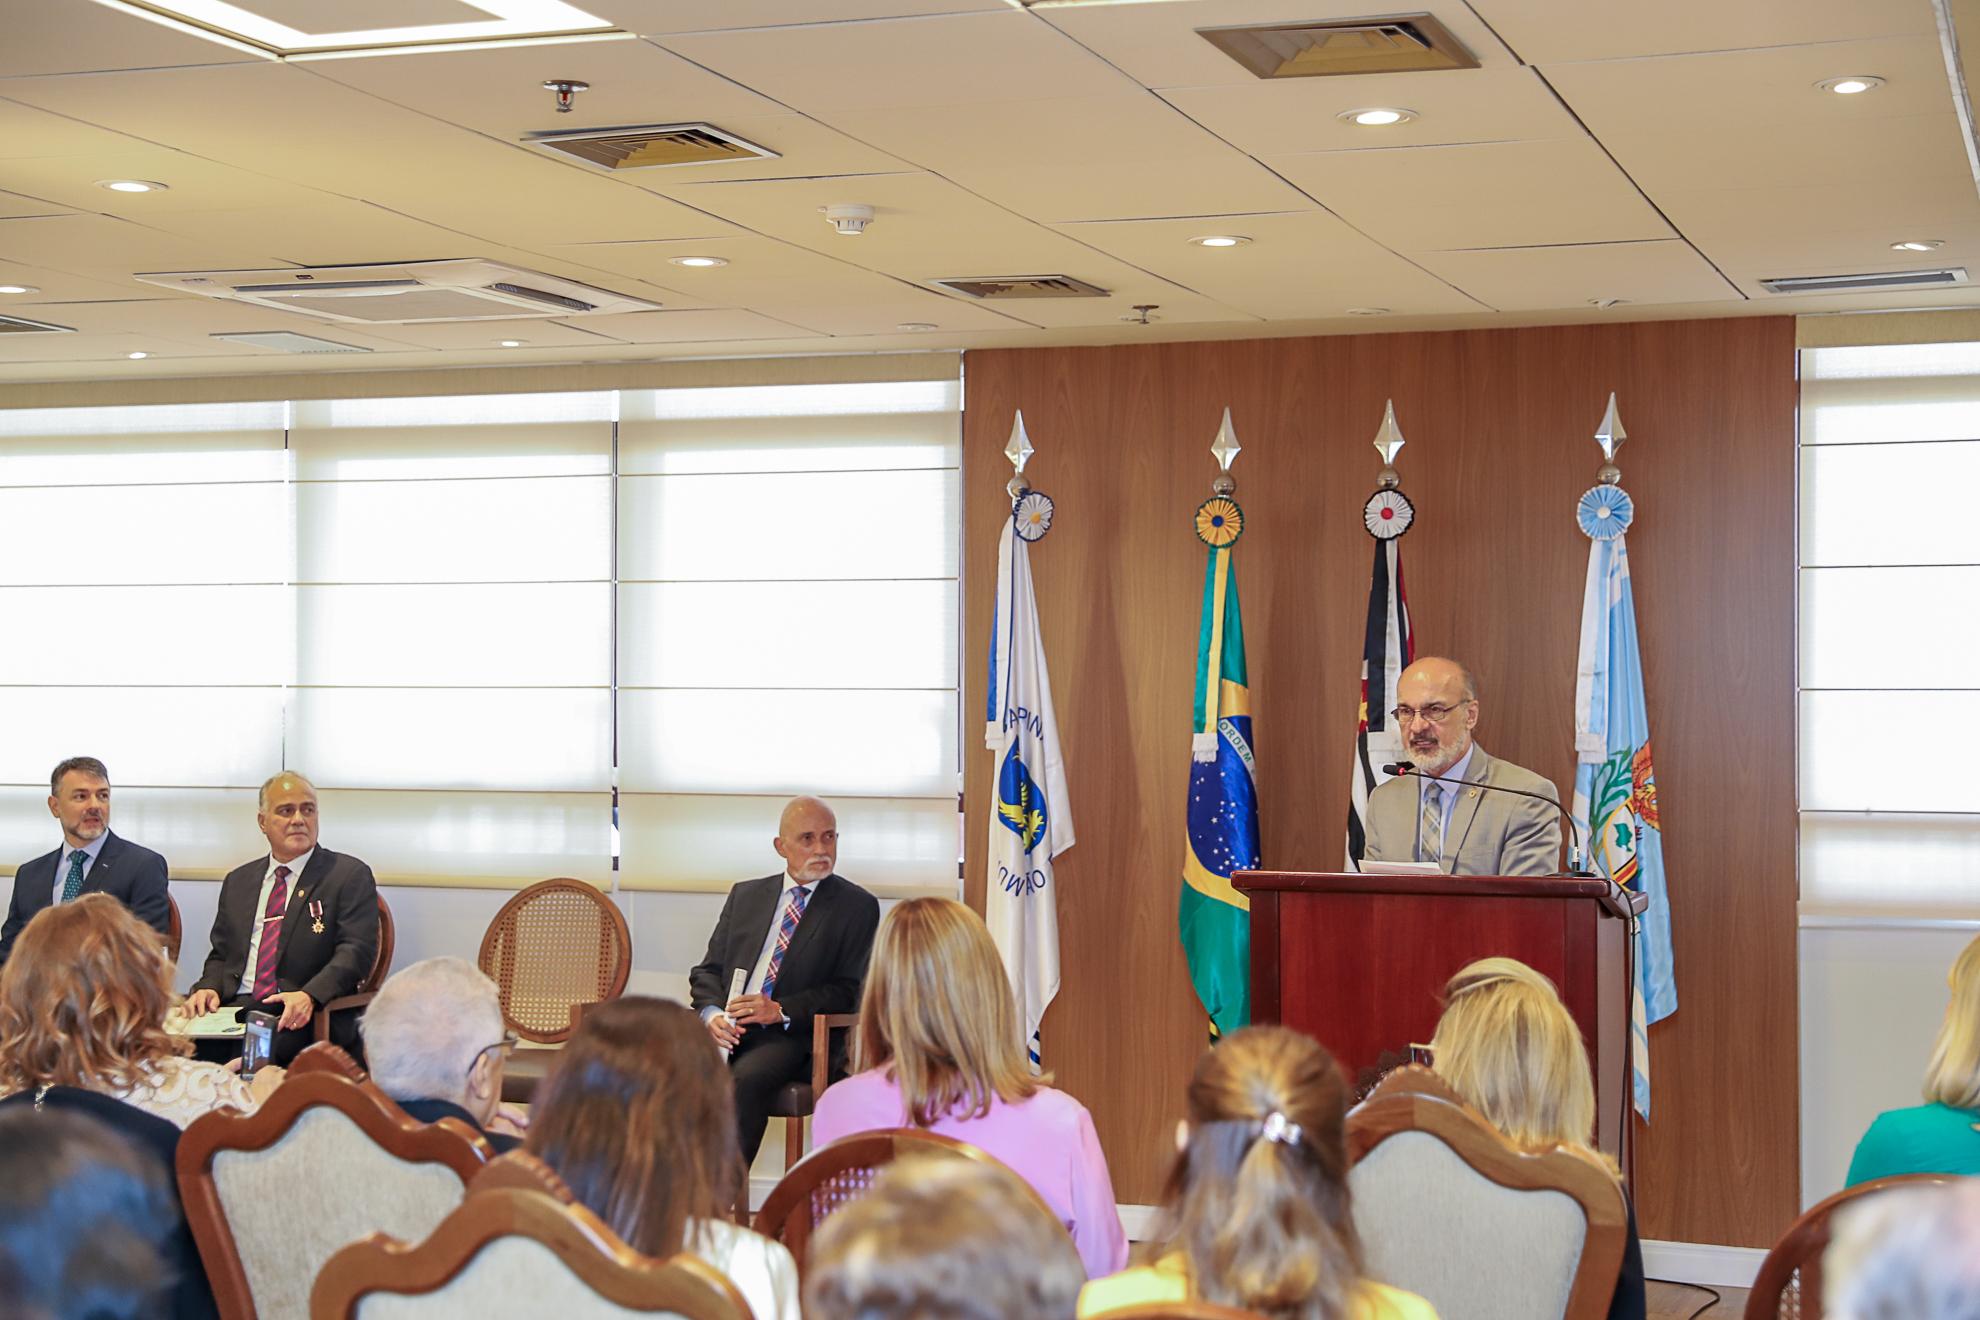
1576,869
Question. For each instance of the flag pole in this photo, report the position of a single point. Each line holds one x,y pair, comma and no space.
1387,646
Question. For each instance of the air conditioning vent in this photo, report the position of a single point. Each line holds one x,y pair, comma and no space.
1023,286
416,291
290,342
1398,44
647,148
1896,279
20,325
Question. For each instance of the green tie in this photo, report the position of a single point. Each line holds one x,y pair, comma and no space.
1433,822
73,885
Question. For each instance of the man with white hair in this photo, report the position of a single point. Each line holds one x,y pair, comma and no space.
436,1043
1910,1253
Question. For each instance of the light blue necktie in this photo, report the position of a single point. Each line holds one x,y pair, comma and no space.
73,885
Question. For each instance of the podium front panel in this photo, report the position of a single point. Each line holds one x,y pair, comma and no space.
1360,963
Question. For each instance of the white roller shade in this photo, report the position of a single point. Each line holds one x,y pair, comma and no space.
1889,567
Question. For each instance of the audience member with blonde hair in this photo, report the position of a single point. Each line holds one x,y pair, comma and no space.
83,1002
638,1116
942,1239
939,1047
1256,1213
1508,1045
1943,1134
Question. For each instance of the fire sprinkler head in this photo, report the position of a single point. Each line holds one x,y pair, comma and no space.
848,219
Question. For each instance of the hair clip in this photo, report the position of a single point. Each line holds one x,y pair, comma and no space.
1280,1129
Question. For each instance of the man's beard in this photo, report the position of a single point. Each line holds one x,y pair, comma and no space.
817,868
1437,761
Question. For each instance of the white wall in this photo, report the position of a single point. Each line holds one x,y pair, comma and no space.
1873,993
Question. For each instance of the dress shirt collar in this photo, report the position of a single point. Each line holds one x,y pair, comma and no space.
1461,770
92,850
295,867
791,882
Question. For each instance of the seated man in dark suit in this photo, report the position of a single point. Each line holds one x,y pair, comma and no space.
91,859
801,941
295,929
436,1044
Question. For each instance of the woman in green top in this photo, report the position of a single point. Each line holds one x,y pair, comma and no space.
1942,1135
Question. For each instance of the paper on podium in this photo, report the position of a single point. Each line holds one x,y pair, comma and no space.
1401,868
220,1023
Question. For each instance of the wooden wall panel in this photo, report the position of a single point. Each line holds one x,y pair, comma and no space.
1498,426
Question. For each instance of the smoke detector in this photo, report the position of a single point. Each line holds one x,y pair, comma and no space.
469,290
848,219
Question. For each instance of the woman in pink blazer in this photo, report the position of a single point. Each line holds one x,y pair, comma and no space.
938,1048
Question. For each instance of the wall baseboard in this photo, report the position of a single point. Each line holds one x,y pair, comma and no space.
1701,1262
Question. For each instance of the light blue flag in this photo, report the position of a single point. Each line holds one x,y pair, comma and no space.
1615,786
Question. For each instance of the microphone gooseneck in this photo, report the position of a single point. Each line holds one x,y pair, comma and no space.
1397,769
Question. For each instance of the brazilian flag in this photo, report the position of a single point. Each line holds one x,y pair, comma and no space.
1214,919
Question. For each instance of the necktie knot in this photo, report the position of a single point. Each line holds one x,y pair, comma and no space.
72,884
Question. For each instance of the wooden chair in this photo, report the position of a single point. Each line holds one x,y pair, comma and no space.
840,1173
270,1196
175,930
795,1102
520,1246
381,967
1789,1284
324,1057
1447,1208
555,945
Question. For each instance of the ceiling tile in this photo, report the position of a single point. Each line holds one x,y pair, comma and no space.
960,59
194,184
1548,31
500,91
1919,206
1545,278
1157,44
534,332
1084,130
1127,190
1751,257
335,233
1301,114
1736,90
14,204
1297,267
27,130
77,36
91,244
713,325
663,16
493,190
1421,199
191,322
1874,154
59,285
98,348
210,111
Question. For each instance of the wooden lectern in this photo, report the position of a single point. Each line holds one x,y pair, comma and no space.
1359,962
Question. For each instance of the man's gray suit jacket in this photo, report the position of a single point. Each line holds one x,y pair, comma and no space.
1487,834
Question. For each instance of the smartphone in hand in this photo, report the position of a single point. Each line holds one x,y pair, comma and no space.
258,1041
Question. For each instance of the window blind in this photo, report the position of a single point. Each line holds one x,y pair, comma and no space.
788,622
453,679
144,578
1889,643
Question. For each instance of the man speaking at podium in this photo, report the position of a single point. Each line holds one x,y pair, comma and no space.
1451,810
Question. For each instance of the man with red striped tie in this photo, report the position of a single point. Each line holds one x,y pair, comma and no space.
295,930
785,949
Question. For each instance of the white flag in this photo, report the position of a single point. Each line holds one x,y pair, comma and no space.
1030,818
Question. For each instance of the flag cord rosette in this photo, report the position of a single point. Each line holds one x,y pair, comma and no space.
1615,783
1212,917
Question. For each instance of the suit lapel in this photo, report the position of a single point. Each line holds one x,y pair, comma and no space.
106,859
1465,810
302,891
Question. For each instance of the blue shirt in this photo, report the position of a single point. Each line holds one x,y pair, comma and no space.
1925,1139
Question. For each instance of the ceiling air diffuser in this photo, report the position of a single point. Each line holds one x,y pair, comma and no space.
400,294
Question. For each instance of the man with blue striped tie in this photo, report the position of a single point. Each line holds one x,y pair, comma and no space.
785,949
91,859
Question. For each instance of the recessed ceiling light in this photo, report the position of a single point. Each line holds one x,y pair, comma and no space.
1376,116
699,261
1221,240
1909,245
917,325
1851,86
131,185
510,343
18,288
1368,311
135,356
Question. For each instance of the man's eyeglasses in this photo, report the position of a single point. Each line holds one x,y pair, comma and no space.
1435,714
507,1045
